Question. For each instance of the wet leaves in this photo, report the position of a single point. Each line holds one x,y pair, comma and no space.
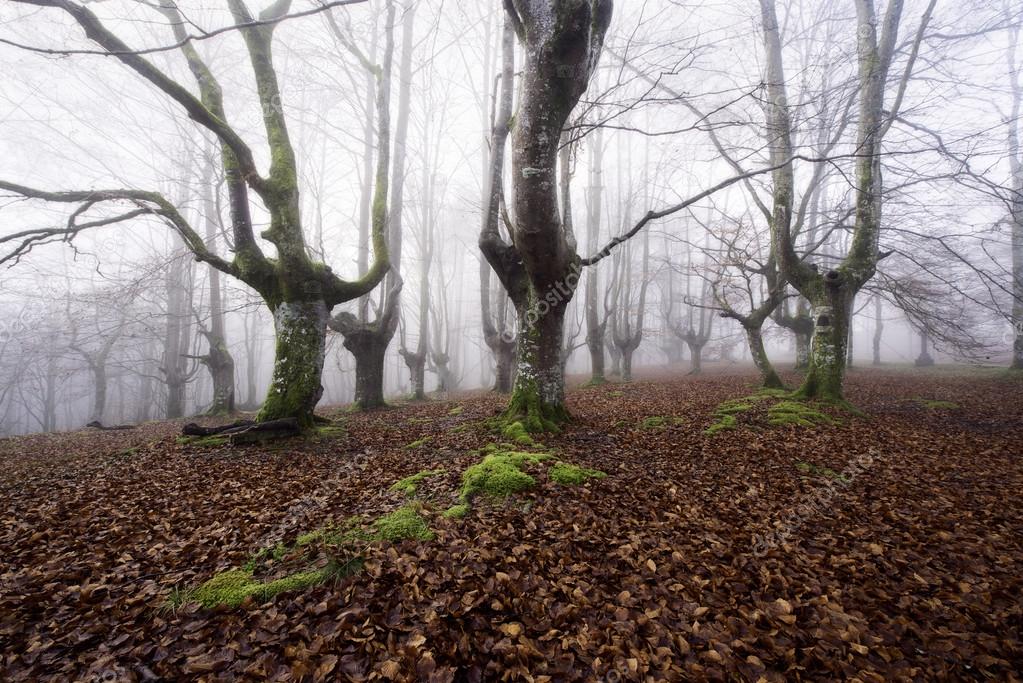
908,570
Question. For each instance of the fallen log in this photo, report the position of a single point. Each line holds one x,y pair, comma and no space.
96,424
192,429
246,431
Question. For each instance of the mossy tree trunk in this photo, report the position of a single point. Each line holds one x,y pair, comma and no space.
831,293
539,268
221,366
416,364
301,331
827,362
538,395
369,356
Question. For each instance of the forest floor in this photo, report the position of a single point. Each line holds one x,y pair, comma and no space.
880,547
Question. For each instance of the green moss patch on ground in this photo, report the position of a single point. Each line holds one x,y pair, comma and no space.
567,474
233,587
661,421
409,485
797,413
403,523
782,410
500,474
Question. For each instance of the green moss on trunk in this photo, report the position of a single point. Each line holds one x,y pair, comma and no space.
295,388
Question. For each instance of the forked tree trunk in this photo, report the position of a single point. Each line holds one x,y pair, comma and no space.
616,358
416,364
295,389
562,41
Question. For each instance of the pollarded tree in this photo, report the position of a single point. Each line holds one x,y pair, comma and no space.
562,41
367,339
299,291
831,293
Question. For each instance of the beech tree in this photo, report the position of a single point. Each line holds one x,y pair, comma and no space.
562,41
367,339
298,290
831,293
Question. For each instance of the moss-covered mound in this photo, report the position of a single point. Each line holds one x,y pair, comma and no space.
403,523
500,474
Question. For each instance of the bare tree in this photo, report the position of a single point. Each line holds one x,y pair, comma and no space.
299,291
368,340
562,40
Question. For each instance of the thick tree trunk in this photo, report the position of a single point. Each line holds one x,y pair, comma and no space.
827,362
770,378
295,389
417,373
538,398
369,352
616,359
802,350
595,345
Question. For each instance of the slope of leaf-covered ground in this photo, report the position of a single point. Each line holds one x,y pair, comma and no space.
755,553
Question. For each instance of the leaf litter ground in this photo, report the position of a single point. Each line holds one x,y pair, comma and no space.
750,553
